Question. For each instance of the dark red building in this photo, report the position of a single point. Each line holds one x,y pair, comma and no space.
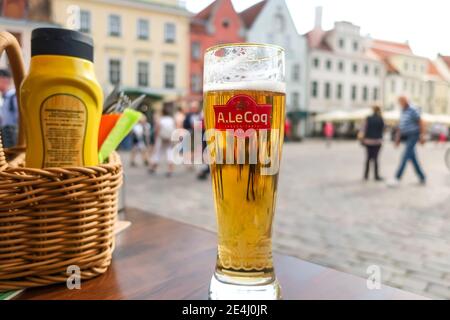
218,23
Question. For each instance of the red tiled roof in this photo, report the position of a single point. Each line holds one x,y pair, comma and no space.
384,55
316,39
446,59
205,14
433,70
392,47
249,15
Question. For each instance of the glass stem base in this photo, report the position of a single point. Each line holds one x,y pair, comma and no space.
219,290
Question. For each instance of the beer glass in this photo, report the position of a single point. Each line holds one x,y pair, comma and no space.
244,107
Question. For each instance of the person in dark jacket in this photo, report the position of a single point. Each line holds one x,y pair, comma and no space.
372,139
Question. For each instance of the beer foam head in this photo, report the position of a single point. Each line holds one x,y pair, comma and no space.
245,67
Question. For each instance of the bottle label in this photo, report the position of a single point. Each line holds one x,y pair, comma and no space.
242,112
63,122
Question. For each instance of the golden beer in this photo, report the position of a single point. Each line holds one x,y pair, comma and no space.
248,119
245,199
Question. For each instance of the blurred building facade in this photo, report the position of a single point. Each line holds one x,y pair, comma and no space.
408,74
342,73
218,23
270,21
138,44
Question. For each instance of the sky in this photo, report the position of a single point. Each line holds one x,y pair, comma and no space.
423,23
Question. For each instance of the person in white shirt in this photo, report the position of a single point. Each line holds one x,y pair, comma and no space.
164,128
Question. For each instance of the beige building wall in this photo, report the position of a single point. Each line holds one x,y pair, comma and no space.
410,81
128,48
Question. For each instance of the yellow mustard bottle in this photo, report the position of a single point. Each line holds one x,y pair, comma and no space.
61,100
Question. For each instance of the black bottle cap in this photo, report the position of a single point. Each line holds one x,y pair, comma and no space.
61,42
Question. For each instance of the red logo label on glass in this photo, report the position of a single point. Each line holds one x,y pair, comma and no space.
242,112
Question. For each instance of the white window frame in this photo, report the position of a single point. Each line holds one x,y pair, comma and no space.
170,32
85,21
138,68
111,27
174,75
143,33
120,70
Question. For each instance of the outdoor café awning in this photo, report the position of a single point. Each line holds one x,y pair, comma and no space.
390,117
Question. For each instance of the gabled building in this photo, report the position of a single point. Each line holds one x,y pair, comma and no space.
438,91
218,23
343,74
408,74
270,21
405,72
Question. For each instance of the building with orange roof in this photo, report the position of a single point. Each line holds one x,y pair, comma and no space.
408,74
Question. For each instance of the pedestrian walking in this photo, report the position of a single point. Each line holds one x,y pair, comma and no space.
411,131
9,110
164,128
372,139
328,132
141,141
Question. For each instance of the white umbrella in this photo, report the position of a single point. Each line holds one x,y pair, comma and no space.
441,119
332,116
360,114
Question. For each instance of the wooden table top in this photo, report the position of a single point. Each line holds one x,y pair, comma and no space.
158,258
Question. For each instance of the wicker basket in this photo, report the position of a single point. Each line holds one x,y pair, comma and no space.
53,218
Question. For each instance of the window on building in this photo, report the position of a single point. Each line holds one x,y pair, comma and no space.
341,43
169,33
314,89
85,21
375,94
196,83
15,9
115,71
405,85
143,74
296,100
316,62
327,90
406,66
366,69
376,71
115,25
354,92
355,46
169,76
329,64
226,23
196,50
393,86
355,68
339,91
365,93
341,66
143,29
296,72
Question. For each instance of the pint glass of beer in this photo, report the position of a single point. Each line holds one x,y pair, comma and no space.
244,107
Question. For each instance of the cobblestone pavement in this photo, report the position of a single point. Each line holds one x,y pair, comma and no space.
327,214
